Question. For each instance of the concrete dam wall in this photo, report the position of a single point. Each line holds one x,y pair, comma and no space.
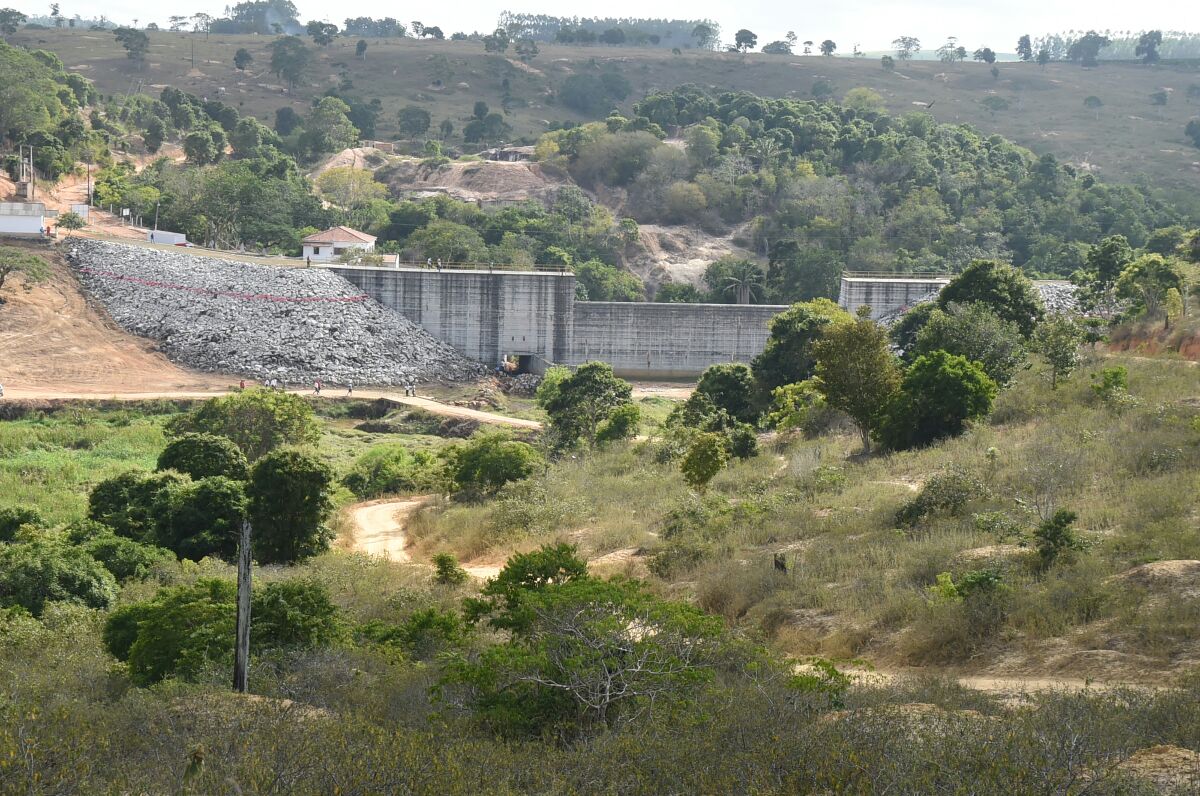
886,295
532,314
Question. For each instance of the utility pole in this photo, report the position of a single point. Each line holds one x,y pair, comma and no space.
241,659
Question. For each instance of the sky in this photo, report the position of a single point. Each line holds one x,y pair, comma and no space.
871,24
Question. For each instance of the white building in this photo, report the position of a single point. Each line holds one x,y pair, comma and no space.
327,246
25,219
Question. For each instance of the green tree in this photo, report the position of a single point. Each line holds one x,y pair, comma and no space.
1146,282
242,59
449,242
787,357
393,469
296,613
129,503
413,121
888,63
1025,48
289,502
70,221
257,421
977,333
985,54
447,571
14,518
828,47
327,127
584,400
705,457
1192,131
136,44
290,59
490,460
199,148
603,282
503,599
42,571
1058,339
360,49
940,392
10,20
127,559
856,372
1107,259
1147,46
745,40
201,518
33,269
1002,288
203,455
621,424
322,33
730,386
1055,538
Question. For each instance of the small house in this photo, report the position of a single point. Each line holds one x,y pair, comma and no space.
327,246
25,219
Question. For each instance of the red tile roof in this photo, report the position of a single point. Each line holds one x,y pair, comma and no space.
340,235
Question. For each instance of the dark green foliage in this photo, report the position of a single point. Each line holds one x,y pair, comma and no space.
607,283
257,420
393,469
904,332
502,601
289,503
939,393
583,401
186,630
1055,538
489,461
1109,258
787,357
128,503
12,518
447,571
202,518
423,636
730,386
203,455
1001,288
622,423
35,573
974,331
593,95
945,494
127,559
743,442
706,456
857,372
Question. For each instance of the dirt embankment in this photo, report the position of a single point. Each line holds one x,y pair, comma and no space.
53,338
485,181
1153,342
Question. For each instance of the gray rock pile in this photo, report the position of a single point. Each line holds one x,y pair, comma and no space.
292,324
1057,297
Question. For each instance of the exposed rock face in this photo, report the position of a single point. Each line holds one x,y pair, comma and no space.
293,324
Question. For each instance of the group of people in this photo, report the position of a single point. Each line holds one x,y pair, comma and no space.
275,384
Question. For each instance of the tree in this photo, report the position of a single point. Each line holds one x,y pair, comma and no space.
1004,289
445,129
1025,48
613,36
621,424
257,421
1055,538
70,221
745,40
126,559
203,455
730,386
905,47
129,503
43,571
985,54
1107,259
940,392
705,457
888,63
1147,46
1093,103
584,400
413,121
322,33
1086,49
447,572
742,279
10,20
777,48
706,36
433,32
496,42
289,502
974,331
489,461
199,148
527,50
856,372
286,120
994,102
200,518
951,51
327,128
1058,339
242,59
449,241
135,42
360,49
14,518
828,47
290,59
1146,282
863,100
349,188
787,357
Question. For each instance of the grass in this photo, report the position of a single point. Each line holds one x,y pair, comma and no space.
1129,137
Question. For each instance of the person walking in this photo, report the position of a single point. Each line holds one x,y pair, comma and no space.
349,388
242,384
317,387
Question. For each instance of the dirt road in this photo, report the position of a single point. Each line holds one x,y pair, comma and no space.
379,531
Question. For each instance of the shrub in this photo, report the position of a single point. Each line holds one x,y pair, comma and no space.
294,614
939,393
1110,383
392,469
289,502
730,386
13,518
743,442
127,559
129,503
622,423
35,573
1055,537
580,402
677,557
447,571
705,458
974,331
488,461
201,519
204,455
421,636
945,494
257,421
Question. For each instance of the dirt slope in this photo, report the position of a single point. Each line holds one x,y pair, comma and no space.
53,339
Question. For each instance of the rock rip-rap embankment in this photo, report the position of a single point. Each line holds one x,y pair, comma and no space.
262,321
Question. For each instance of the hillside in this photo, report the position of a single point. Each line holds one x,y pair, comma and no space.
1127,137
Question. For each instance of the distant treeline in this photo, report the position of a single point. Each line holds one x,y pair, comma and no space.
667,33
1122,45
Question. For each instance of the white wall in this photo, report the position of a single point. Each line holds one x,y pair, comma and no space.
22,225
330,252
